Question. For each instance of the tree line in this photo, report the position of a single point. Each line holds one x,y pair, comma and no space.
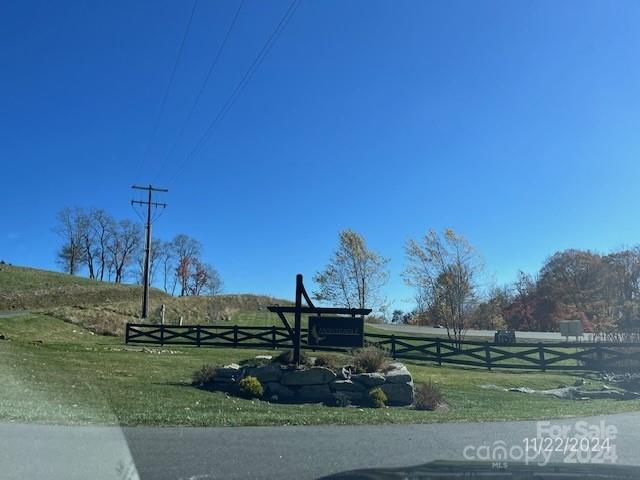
443,269
445,273
112,250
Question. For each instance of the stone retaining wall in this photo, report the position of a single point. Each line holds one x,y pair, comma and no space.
320,384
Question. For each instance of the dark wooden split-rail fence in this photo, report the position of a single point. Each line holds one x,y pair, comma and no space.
525,356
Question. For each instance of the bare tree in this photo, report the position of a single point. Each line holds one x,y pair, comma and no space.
125,240
167,264
155,261
354,276
103,226
87,236
71,255
444,272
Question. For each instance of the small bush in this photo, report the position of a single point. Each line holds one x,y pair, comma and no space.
369,359
251,387
377,398
286,358
328,361
204,375
427,396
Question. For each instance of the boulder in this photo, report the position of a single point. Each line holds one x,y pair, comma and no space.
355,397
271,372
398,393
369,379
395,365
279,391
311,376
398,374
231,370
346,386
339,399
314,393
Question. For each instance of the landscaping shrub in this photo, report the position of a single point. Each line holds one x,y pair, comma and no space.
251,387
328,361
286,358
369,359
203,375
427,396
377,398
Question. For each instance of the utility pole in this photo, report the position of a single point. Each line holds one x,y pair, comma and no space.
147,245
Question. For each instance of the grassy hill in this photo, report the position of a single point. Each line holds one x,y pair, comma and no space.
105,307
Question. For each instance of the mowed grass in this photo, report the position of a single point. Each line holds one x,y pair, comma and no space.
56,372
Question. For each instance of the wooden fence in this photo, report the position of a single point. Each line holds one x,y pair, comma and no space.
525,356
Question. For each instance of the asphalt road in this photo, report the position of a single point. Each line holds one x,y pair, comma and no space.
442,332
55,452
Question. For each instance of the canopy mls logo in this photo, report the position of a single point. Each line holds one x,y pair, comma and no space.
336,331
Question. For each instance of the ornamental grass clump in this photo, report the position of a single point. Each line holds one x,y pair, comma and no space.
203,376
328,361
369,359
427,396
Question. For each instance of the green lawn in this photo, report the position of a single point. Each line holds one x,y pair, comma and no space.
56,372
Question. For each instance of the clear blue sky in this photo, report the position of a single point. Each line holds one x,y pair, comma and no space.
516,123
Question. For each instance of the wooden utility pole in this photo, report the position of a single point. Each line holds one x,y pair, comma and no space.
147,244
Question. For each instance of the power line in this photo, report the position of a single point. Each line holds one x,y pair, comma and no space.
239,87
147,245
168,89
212,67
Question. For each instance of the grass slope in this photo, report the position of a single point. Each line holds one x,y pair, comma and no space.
105,307
55,372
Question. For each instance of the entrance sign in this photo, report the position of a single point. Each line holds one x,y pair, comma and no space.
296,332
571,328
345,332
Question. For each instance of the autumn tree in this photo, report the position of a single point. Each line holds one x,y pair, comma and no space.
491,313
444,270
204,279
354,276
187,251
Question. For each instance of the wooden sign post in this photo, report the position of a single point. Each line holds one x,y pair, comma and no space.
346,332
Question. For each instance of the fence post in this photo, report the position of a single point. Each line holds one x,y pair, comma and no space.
599,356
235,336
198,335
393,346
161,335
487,354
273,336
543,363
438,351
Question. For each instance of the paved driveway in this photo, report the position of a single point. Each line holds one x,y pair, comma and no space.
442,332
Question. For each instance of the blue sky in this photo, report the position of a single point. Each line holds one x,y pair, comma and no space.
515,123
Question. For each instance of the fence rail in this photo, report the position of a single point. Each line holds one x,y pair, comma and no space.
524,356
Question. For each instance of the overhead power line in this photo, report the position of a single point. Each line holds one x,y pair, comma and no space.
147,243
167,90
239,87
203,87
